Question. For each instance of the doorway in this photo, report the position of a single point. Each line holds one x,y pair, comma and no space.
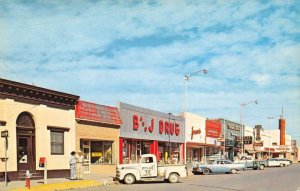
25,142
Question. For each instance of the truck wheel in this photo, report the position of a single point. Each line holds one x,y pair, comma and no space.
261,167
233,171
129,179
173,178
206,171
281,165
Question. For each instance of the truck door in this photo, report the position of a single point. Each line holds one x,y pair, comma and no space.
148,167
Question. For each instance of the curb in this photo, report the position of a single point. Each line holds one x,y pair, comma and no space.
64,185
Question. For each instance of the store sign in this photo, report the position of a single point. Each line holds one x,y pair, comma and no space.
213,129
247,140
233,127
195,132
143,123
259,144
165,127
258,129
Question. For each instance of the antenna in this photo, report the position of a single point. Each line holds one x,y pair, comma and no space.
281,112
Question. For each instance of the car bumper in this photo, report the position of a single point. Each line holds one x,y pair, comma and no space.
196,170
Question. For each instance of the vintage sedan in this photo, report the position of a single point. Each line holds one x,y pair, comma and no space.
287,162
273,162
217,166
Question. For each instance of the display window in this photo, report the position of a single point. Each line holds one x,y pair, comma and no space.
169,153
133,149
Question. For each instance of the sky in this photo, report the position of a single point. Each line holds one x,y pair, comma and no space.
138,52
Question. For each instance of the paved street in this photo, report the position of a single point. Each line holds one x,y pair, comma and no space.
270,179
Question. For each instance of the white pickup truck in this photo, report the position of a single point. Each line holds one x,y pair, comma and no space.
148,170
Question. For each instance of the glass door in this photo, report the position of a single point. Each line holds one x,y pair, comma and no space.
86,149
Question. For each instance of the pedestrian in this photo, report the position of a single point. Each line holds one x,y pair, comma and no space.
72,163
79,163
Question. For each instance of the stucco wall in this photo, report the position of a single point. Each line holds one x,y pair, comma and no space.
43,116
91,132
198,123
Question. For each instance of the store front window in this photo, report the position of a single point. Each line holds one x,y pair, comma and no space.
169,153
194,154
101,152
133,149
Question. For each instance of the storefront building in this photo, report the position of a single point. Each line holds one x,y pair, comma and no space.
231,135
39,123
213,130
263,144
194,137
97,136
146,131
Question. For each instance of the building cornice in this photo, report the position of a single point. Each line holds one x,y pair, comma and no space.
36,95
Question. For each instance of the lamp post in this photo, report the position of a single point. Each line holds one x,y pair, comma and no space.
187,77
169,134
270,120
243,105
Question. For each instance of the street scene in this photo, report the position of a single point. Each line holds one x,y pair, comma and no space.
275,179
145,95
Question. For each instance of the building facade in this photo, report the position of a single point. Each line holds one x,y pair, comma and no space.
213,149
146,131
40,123
194,137
97,136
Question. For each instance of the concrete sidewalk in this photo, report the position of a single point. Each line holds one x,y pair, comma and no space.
90,180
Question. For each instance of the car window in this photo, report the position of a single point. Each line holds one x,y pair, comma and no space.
147,160
228,162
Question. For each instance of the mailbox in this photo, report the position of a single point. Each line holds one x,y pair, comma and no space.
42,161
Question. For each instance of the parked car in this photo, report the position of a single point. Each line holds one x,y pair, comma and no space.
250,162
147,169
287,162
273,162
217,166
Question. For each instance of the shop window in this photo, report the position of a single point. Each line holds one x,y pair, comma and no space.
101,152
57,142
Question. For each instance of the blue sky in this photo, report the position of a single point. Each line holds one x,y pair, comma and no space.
139,51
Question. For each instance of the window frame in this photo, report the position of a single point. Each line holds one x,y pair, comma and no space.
58,130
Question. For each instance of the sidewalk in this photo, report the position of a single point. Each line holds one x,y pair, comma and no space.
90,180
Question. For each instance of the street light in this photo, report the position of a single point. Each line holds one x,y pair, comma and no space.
243,105
187,77
270,118
169,134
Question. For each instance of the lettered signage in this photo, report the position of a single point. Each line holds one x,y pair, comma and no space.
164,127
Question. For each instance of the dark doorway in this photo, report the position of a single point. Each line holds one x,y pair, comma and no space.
25,142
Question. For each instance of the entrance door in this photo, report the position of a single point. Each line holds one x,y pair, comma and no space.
86,149
25,153
25,142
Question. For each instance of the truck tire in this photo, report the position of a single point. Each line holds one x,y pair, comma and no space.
261,167
206,171
129,179
281,165
173,178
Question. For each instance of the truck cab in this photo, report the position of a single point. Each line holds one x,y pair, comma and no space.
147,169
